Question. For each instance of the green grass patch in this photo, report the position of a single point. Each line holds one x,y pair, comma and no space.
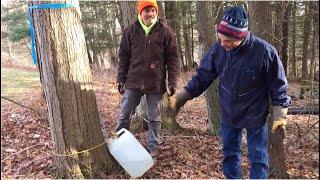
16,82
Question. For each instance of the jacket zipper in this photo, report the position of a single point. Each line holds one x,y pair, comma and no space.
144,63
225,89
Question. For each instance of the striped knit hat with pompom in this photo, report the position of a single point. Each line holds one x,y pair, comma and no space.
234,23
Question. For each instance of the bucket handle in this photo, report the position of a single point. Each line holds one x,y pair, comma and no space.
121,131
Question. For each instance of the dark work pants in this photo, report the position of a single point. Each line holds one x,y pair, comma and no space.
257,139
129,102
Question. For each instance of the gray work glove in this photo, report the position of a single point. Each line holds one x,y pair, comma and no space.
177,100
279,117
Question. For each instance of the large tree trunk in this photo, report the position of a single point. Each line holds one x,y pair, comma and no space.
260,21
206,40
67,82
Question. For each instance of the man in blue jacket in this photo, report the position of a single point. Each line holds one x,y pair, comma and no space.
251,76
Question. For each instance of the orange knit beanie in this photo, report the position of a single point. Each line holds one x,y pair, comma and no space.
145,3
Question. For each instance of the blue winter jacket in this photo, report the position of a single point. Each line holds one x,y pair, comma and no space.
249,77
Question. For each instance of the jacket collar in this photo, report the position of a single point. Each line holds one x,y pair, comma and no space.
147,29
156,27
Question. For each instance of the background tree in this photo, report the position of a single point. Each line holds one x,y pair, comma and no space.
71,101
293,65
306,43
261,24
306,40
100,26
281,26
186,35
14,26
206,40
277,17
285,34
172,15
128,13
18,27
315,42
161,12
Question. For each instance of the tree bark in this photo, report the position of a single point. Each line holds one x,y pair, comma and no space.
191,12
186,36
277,161
128,13
285,35
261,24
316,64
168,122
313,54
277,24
306,42
171,12
71,102
261,19
315,36
161,12
293,72
206,40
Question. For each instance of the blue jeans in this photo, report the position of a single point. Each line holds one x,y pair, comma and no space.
257,139
130,100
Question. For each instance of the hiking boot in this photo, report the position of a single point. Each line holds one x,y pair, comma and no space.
154,152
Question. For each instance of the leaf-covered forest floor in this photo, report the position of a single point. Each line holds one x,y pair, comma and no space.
26,143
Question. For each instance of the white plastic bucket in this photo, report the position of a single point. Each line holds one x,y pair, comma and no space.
130,154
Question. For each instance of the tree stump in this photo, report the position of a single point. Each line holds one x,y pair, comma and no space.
168,120
277,158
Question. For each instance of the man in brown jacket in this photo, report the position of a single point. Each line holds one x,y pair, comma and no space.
148,57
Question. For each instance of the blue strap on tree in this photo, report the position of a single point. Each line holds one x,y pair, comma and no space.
31,29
